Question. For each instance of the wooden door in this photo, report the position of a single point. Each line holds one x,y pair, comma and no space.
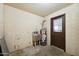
58,31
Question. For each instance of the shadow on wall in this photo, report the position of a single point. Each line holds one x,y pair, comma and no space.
3,47
1,51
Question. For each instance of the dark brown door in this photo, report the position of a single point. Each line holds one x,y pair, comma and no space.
58,31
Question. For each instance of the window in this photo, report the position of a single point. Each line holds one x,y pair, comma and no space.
57,25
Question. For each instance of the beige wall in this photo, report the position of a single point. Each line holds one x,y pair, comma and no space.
2,40
72,30
19,26
1,20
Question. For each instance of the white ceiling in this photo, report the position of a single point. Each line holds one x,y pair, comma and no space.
42,9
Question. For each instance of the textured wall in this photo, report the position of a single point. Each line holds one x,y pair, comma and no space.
19,26
1,20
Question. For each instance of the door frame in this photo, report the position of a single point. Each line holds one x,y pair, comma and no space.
64,28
